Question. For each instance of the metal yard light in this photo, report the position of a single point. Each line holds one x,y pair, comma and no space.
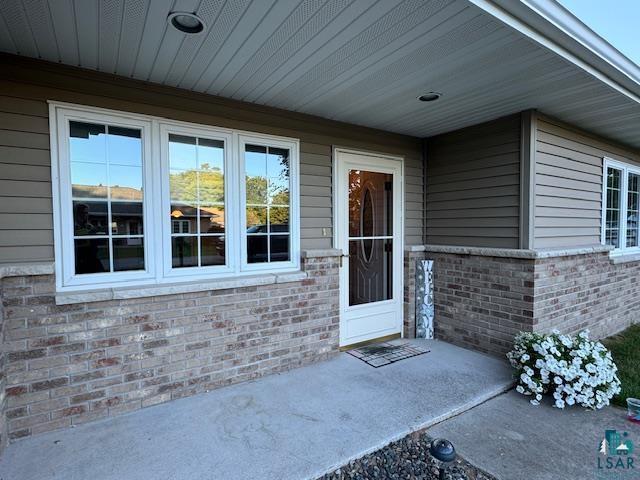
443,451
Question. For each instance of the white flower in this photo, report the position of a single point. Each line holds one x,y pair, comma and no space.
534,402
581,372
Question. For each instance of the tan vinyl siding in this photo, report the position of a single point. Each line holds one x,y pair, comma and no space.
473,185
25,181
568,184
25,188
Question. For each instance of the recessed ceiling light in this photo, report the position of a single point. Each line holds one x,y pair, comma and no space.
186,22
430,97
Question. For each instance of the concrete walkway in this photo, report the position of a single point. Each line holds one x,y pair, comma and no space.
296,425
512,440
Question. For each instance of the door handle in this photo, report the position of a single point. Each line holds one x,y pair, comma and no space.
341,257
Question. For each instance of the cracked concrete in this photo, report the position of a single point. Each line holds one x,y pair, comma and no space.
295,425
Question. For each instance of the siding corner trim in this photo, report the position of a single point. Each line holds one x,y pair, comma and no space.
528,131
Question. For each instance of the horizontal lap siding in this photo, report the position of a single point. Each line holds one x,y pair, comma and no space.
568,188
25,186
473,185
25,181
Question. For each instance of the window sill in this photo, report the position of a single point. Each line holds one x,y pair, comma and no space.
619,258
123,293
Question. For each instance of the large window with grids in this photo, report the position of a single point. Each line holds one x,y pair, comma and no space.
621,206
143,200
266,178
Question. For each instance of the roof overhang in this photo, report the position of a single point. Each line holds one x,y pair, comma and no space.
363,62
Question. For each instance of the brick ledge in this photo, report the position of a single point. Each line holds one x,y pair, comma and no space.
123,293
321,253
511,252
625,258
26,269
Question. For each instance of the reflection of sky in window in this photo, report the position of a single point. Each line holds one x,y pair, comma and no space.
89,155
211,154
277,162
182,156
88,174
92,174
259,164
123,145
255,164
91,149
124,150
122,176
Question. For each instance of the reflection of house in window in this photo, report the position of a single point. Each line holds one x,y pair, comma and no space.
125,204
180,226
185,219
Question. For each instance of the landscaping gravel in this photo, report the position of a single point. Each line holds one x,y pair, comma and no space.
406,459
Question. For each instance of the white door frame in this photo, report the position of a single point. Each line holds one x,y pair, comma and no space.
343,158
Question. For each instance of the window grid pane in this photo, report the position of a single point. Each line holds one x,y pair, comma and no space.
197,195
267,200
633,195
107,197
613,197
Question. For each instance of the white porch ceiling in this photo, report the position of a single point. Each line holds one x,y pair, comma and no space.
358,61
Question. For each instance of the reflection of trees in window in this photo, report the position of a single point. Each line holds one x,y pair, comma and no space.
267,200
196,185
191,184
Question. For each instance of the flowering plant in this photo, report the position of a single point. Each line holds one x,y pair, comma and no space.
573,368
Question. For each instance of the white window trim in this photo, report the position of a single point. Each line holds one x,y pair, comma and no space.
63,205
167,128
625,169
157,231
294,203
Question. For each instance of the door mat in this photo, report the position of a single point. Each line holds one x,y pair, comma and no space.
386,353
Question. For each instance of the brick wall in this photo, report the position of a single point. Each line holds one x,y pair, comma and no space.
481,302
69,364
578,292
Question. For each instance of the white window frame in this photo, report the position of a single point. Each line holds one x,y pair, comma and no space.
294,203
226,136
63,204
157,222
625,169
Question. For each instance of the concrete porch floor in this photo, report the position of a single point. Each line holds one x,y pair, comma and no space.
294,425
537,443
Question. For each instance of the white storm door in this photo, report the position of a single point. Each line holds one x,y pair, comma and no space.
369,231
